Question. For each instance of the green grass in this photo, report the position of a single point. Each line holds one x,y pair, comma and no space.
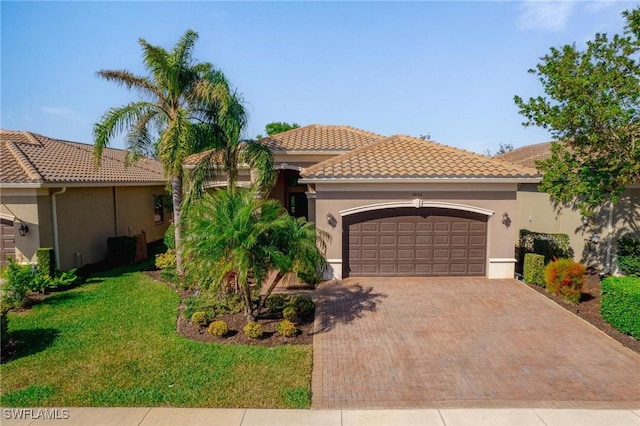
112,342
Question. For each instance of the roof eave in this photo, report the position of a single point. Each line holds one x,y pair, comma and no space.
423,180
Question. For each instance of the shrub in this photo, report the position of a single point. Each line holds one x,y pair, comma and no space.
286,328
199,318
67,278
253,330
620,304
46,261
533,269
549,245
276,303
628,255
566,278
170,237
218,328
4,327
303,305
19,281
166,260
289,313
122,250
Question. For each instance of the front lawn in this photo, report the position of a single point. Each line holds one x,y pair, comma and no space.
112,342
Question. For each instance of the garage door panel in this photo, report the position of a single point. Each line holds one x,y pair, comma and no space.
409,242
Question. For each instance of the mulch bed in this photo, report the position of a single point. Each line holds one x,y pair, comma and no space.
236,323
589,309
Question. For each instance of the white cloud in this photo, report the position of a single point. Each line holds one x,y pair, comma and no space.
544,15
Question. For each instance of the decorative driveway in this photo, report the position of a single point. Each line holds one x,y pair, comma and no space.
461,342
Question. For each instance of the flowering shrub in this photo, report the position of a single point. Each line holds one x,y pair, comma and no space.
566,278
218,328
253,330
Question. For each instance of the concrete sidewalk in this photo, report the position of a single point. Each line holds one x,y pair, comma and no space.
263,417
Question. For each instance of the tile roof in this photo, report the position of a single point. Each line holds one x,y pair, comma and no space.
27,157
528,155
407,157
317,137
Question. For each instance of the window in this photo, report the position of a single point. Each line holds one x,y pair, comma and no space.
158,209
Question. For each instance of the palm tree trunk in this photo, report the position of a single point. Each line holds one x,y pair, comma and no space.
176,195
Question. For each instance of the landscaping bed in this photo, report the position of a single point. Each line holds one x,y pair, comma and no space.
589,309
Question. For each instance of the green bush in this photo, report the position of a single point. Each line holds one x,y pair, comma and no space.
170,237
628,255
199,318
276,303
253,330
620,304
551,246
533,269
213,303
218,328
166,260
303,306
566,278
289,313
122,250
19,280
286,328
4,327
46,261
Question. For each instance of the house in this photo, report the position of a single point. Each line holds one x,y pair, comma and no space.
593,239
53,196
399,206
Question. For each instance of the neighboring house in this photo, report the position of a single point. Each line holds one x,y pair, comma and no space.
592,239
52,188
399,206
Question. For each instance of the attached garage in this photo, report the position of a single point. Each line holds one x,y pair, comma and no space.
415,242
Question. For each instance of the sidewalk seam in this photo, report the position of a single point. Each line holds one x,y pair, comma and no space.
145,416
535,411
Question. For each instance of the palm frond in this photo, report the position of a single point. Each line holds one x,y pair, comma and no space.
260,159
131,81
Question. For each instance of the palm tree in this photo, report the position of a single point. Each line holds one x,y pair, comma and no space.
236,234
180,98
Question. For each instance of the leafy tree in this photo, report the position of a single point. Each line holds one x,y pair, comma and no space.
592,105
235,235
503,149
180,101
278,127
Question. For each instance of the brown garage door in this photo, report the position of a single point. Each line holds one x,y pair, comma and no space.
415,242
7,241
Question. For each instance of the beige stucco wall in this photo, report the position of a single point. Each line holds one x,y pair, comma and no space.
136,211
537,213
22,204
498,198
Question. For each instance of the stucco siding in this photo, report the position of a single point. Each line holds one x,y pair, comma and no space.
135,206
22,204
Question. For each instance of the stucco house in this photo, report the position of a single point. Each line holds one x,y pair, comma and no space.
51,192
399,206
593,239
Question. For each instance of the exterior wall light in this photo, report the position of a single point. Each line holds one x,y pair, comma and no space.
506,220
24,229
331,220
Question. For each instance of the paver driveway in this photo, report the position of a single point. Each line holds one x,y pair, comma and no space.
461,342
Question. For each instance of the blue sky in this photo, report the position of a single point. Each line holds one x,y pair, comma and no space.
449,69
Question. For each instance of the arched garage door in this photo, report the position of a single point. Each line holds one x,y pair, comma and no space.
7,241
412,241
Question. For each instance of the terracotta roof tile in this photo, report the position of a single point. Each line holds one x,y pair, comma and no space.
528,155
32,158
316,137
403,156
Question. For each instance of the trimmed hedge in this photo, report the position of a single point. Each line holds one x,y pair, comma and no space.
620,304
533,269
549,245
628,254
46,261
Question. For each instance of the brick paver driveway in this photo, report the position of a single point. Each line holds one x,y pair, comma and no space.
461,342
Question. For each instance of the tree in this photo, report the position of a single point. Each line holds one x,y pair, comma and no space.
503,149
278,127
592,106
235,235
180,101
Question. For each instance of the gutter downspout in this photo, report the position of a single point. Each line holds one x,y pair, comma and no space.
56,243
